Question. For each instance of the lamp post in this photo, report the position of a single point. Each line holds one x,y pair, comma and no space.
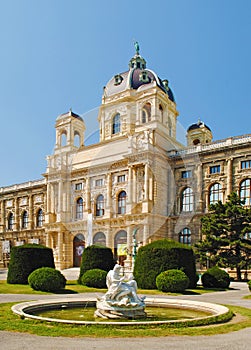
134,247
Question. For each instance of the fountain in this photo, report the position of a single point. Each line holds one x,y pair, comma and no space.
122,306
121,299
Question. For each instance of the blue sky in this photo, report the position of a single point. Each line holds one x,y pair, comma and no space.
58,54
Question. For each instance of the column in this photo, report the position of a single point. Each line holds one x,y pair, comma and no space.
109,191
60,250
88,195
145,204
134,179
30,224
146,184
16,215
130,180
199,188
145,234
229,176
3,215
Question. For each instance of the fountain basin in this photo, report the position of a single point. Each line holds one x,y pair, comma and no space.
214,313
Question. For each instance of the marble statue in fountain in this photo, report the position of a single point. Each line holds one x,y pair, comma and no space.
121,299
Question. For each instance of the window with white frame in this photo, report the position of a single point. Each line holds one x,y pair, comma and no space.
100,205
215,193
79,208
187,200
99,182
215,169
122,202
246,164
121,178
245,191
185,236
116,124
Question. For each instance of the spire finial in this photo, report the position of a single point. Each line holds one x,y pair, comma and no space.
136,45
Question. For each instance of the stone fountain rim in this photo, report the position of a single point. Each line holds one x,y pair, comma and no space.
215,310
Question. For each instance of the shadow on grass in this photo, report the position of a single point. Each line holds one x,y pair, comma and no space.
66,291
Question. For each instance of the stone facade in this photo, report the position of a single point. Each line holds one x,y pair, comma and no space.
137,184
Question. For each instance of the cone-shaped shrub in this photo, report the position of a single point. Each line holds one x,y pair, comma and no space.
27,258
160,256
96,257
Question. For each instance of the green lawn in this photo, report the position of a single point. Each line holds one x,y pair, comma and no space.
73,287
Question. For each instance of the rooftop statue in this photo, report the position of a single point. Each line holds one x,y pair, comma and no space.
136,45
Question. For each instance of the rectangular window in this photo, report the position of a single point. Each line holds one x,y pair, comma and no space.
78,187
99,182
186,174
215,169
121,178
246,164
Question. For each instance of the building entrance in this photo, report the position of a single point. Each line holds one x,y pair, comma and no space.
78,248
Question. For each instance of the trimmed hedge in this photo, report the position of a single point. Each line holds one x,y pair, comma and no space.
47,279
249,285
27,258
160,256
172,281
215,278
95,278
96,257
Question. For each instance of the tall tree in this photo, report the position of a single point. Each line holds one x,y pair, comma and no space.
226,231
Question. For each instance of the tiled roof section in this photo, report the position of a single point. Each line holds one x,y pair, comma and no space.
131,80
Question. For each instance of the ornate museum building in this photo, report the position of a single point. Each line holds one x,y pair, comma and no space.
137,184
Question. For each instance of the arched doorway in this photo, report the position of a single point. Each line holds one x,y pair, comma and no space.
120,247
78,248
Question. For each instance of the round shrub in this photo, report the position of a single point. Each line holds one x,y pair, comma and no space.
160,256
27,258
95,278
249,285
96,257
172,281
47,279
215,278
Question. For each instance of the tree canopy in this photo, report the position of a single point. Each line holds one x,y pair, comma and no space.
226,231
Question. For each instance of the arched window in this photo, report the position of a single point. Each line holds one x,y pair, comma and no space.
99,238
146,113
116,124
25,219
185,236
100,205
76,139
122,202
245,191
79,209
40,218
187,200
63,139
215,193
11,221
